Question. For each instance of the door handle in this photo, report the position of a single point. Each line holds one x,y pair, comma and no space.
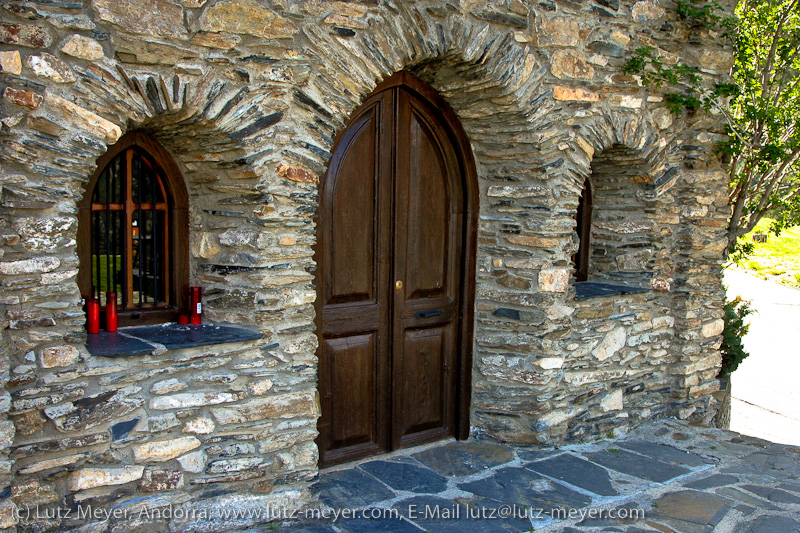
428,314
398,285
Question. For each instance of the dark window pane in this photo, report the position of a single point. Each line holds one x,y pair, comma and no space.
149,284
108,267
146,182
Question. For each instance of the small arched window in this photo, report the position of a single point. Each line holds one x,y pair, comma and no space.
133,232
583,217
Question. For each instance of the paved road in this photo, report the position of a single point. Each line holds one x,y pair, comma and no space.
766,386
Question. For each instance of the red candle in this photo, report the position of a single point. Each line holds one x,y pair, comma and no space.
197,306
93,316
183,319
111,311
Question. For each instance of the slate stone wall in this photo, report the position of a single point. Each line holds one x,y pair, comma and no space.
247,96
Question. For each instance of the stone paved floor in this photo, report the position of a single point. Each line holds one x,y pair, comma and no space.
681,478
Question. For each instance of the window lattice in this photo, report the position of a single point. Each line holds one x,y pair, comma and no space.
129,237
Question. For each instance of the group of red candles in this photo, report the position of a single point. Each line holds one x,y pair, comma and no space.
93,311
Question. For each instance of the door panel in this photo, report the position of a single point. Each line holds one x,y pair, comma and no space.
427,212
355,174
423,391
390,275
352,392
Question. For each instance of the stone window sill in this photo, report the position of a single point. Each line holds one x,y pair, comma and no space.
585,290
149,340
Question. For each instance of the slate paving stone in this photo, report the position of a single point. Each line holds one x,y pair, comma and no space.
523,487
744,509
637,466
632,511
377,525
794,487
305,528
736,494
437,515
771,494
776,466
578,472
351,488
464,458
690,511
770,524
717,480
404,476
662,452
536,455
491,508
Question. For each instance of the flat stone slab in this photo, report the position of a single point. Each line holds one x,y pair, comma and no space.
309,528
690,510
526,488
189,335
383,523
536,455
794,487
637,466
464,458
662,452
143,340
717,480
519,517
770,524
591,289
405,476
736,494
626,513
772,494
578,472
113,344
438,515
351,488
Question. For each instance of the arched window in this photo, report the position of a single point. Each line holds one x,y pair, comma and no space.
583,218
133,232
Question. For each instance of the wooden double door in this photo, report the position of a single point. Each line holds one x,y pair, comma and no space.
395,246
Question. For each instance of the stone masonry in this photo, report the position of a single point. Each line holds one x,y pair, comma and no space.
247,97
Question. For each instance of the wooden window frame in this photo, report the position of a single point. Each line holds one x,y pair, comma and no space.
177,232
583,218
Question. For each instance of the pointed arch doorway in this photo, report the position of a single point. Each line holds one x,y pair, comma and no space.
395,276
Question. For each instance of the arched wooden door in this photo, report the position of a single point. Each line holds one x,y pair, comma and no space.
395,276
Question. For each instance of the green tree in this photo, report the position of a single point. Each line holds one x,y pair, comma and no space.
762,106
765,128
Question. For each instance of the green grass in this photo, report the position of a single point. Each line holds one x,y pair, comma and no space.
103,262
776,260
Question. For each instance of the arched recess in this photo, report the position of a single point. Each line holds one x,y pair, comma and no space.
395,254
622,245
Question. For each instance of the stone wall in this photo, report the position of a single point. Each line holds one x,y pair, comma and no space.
247,97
